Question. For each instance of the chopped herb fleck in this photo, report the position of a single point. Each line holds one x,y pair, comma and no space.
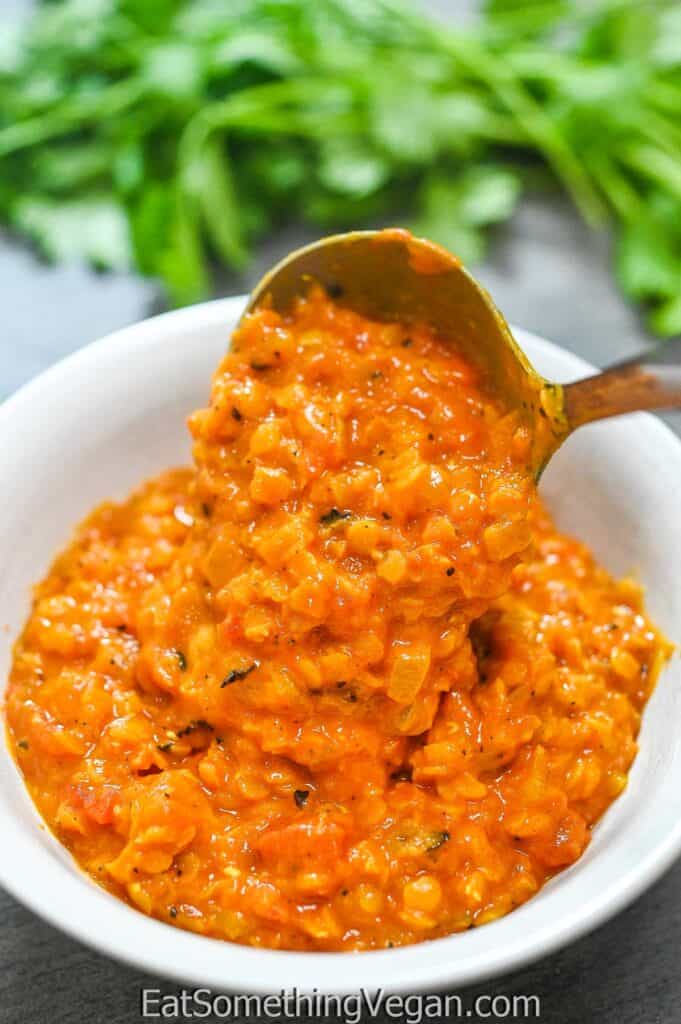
439,839
196,723
334,515
205,508
300,796
335,290
23,744
450,571
236,415
165,747
407,342
173,912
261,366
237,673
181,660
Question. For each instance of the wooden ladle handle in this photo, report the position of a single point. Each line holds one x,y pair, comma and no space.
651,380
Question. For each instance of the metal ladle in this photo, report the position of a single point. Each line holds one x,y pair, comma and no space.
391,276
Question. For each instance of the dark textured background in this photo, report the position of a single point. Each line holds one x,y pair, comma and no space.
548,274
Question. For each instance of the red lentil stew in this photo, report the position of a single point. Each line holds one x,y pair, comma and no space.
342,685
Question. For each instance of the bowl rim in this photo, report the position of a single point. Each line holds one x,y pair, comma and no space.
50,890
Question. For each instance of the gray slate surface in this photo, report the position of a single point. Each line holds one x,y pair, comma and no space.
548,274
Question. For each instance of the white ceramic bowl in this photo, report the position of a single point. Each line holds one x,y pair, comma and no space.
96,425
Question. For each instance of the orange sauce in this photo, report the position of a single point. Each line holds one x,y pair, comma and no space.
343,685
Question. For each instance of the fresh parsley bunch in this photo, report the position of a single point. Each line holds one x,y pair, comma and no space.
167,134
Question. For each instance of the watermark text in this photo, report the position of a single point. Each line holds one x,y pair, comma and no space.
352,1008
